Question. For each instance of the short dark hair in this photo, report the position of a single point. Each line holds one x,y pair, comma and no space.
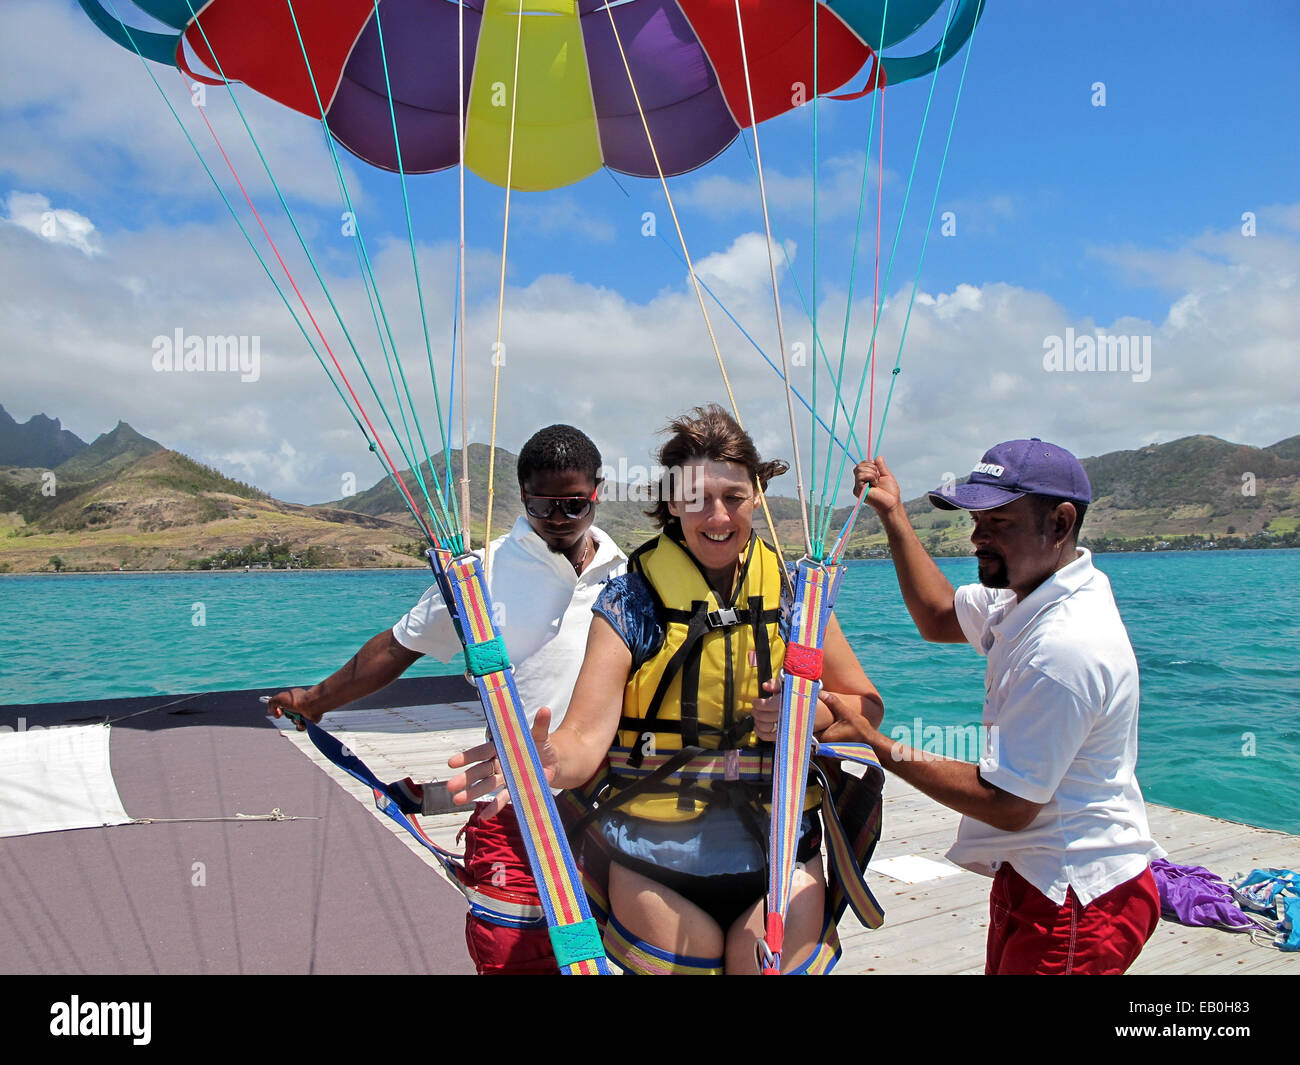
1047,504
558,448
709,433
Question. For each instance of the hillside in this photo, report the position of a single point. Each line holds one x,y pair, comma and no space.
1161,495
125,501
622,508
110,453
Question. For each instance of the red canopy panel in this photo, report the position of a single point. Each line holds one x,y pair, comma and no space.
779,50
257,43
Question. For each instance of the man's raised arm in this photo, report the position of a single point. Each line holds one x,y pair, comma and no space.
927,592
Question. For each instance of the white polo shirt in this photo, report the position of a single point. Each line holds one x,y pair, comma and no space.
1061,712
542,609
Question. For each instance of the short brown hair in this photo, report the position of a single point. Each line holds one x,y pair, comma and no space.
708,433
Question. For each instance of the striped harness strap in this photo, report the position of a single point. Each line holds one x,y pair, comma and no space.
815,589
574,933
497,907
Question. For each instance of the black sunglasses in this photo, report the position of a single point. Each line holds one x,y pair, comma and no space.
571,506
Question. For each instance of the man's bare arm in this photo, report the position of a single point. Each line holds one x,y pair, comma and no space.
927,592
957,785
380,661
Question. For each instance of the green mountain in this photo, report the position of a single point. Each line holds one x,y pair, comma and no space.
1198,489
111,452
126,502
39,442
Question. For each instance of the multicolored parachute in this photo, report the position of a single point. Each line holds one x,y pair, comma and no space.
577,110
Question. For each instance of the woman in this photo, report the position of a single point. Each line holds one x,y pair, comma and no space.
682,654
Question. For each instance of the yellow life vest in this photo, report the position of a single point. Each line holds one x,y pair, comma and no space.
699,688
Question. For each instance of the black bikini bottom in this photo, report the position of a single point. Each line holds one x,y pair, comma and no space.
703,876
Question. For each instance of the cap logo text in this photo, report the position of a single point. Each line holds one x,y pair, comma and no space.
991,468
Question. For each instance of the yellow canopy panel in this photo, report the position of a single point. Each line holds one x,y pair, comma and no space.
555,136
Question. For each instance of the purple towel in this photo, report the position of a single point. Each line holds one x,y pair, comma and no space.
1192,895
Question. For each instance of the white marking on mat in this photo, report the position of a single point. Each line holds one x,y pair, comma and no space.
57,779
913,869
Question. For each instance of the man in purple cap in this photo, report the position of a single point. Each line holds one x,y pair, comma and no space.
1052,811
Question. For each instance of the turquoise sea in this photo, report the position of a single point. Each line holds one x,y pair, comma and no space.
1217,638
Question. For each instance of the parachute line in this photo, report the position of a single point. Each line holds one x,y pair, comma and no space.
878,98
443,520
497,358
419,290
695,281
776,291
743,331
266,269
375,440
898,233
925,240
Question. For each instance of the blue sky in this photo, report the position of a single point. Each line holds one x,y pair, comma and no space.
1125,218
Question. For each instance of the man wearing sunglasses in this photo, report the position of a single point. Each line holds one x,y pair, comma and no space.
544,576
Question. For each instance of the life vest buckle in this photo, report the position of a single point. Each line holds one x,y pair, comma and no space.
723,619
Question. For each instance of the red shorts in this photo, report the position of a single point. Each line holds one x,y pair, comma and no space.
1029,933
497,859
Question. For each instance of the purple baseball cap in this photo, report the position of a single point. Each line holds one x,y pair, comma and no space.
1014,469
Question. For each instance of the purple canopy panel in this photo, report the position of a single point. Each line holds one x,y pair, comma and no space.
685,109
420,45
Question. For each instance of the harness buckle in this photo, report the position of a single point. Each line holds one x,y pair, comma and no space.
731,764
725,618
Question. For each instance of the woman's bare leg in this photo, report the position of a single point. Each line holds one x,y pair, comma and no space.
803,923
662,917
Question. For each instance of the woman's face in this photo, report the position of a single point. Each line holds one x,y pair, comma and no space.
715,503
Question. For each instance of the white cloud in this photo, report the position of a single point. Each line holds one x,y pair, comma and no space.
66,84
79,330
32,211
560,214
839,191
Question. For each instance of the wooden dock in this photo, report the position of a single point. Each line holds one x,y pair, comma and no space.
936,924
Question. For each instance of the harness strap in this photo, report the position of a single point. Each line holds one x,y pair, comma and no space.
690,689
640,958
695,632
728,737
849,857
496,908
666,770
814,593
753,765
575,936
763,646
730,617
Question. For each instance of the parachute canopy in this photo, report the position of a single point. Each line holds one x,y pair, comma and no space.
350,60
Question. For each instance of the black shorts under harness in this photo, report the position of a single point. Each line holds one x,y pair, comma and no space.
716,860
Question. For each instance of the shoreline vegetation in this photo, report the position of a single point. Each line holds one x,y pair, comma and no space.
125,502
1182,545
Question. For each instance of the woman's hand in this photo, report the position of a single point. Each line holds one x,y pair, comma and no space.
767,710
483,778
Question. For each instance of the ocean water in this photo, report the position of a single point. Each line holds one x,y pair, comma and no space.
1216,634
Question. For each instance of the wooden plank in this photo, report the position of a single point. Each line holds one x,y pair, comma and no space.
938,926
